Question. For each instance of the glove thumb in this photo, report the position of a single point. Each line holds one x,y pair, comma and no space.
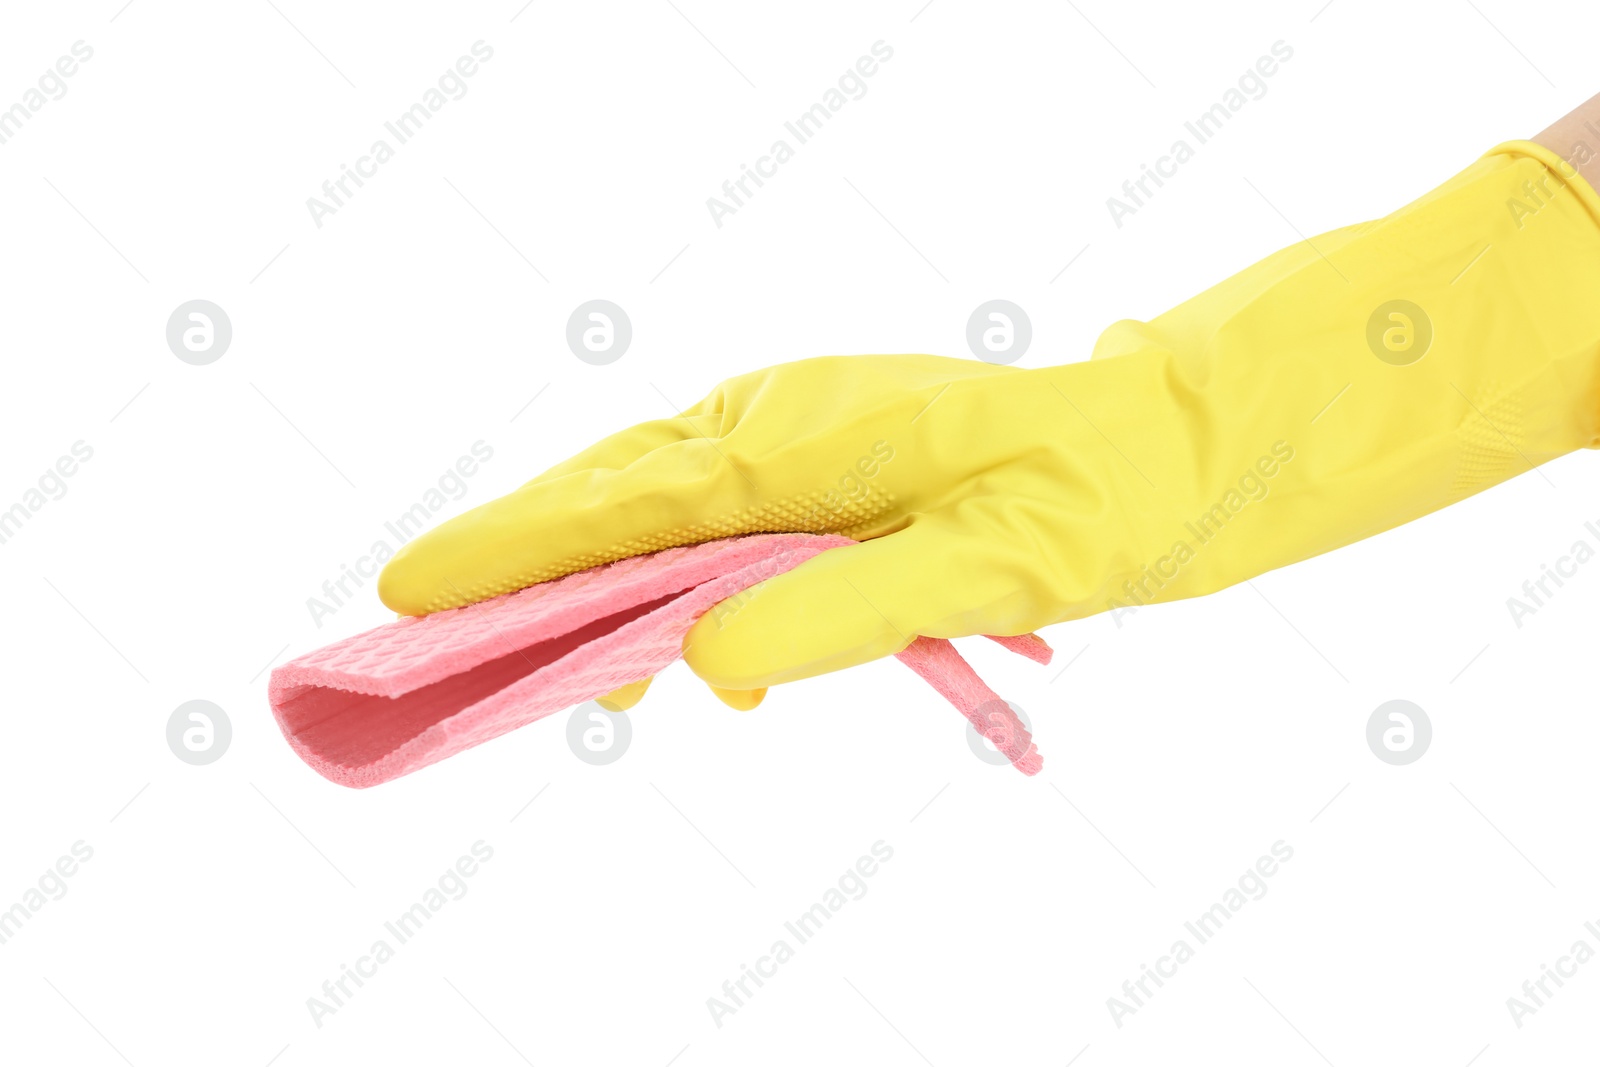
844,607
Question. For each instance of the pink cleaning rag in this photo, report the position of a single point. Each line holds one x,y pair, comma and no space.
409,693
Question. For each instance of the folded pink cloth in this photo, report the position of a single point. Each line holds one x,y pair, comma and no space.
409,693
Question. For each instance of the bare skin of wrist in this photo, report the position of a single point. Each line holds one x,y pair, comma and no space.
1576,139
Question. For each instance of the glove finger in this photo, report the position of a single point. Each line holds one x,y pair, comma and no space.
680,493
842,608
739,699
624,697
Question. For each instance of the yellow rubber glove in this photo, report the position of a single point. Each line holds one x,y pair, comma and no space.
1338,388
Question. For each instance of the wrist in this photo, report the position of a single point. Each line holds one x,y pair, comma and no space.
1576,139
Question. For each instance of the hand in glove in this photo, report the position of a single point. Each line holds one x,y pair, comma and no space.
1341,387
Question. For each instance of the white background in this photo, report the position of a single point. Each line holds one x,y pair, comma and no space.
370,353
